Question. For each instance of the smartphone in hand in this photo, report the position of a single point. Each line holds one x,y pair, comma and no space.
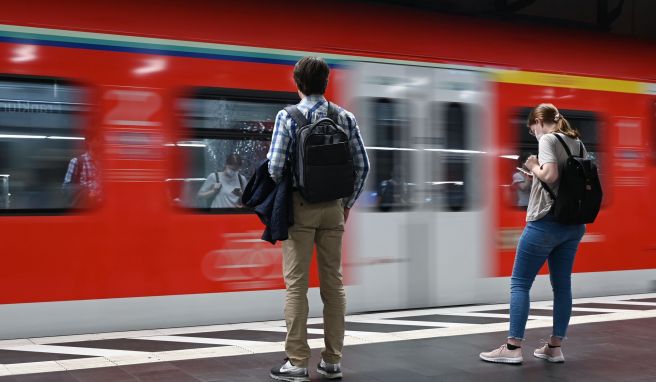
524,171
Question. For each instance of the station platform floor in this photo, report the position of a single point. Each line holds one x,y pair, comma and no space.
610,339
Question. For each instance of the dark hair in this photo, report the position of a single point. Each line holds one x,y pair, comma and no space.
548,113
233,160
311,75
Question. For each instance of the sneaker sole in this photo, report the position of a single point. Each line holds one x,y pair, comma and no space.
330,375
289,379
502,359
560,359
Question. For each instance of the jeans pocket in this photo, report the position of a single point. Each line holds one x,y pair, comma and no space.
539,234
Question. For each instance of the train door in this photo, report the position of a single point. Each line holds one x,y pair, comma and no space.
415,224
379,259
458,174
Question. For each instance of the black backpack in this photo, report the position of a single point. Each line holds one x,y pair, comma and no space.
322,158
579,193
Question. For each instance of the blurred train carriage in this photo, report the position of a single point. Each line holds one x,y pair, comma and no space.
149,106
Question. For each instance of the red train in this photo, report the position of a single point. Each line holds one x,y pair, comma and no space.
160,95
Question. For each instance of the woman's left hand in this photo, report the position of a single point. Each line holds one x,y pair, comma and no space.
531,162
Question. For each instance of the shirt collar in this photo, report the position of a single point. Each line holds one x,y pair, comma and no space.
313,99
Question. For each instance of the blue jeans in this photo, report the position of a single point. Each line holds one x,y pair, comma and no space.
544,240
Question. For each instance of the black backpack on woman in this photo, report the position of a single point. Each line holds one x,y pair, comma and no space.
579,193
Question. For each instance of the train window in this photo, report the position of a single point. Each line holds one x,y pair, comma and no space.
227,133
45,164
388,187
586,122
451,183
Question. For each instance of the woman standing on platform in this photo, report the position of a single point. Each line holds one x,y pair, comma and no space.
543,239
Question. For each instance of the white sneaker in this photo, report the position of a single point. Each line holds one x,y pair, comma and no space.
550,354
329,370
290,373
503,355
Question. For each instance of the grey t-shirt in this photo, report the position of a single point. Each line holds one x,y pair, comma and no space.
550,151
225,198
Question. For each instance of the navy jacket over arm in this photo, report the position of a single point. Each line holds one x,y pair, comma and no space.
271,202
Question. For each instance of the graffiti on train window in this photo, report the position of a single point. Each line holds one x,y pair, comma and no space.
216,171
48,162
226,135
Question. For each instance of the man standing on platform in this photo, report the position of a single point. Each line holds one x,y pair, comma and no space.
320,223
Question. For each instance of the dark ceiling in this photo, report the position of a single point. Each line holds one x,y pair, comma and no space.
636,18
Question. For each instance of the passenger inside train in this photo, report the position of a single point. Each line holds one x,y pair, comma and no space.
81,185
223,189
521,183
393,192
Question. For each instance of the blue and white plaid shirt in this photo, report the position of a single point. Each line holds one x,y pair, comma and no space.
315,107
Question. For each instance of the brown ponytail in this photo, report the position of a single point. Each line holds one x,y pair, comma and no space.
548,113
563,126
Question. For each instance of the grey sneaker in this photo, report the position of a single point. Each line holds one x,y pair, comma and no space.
329,370
550,354
290,373
503,355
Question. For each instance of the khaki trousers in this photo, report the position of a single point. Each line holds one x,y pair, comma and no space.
321,224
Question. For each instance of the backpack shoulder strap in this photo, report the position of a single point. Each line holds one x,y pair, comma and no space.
569,153
297,116
546,187
241,181
333,115
580,149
